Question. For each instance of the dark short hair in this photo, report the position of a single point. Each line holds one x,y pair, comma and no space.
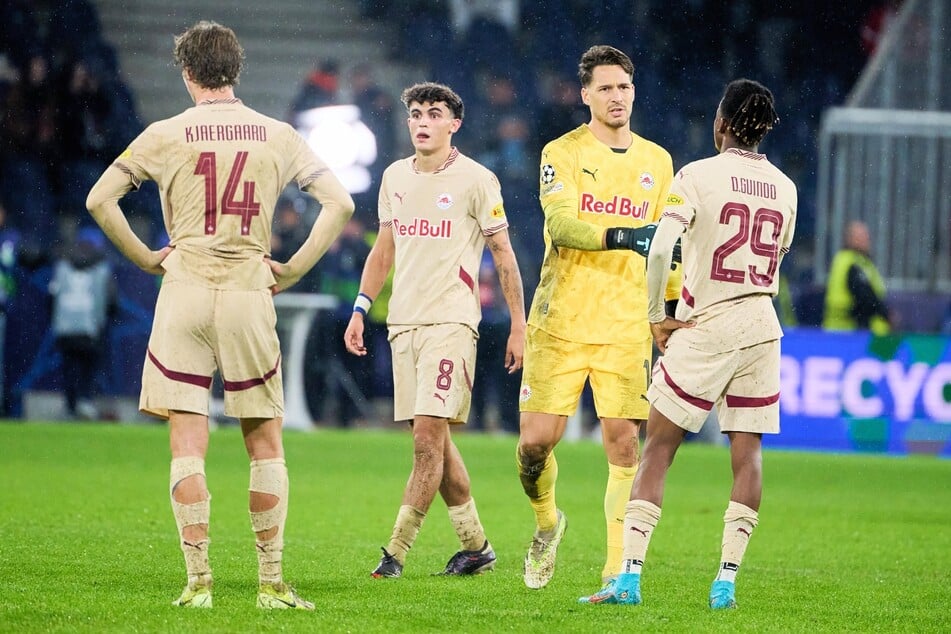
210,53
431,92
602,55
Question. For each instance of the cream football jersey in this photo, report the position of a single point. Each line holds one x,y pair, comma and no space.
439,222
220,167
739,215
598,297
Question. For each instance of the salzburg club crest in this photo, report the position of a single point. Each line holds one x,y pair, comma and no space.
646,180
444,201
525,393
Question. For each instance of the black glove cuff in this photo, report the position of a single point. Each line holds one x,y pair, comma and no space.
619,237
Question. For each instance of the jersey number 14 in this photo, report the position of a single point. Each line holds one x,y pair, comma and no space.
246,207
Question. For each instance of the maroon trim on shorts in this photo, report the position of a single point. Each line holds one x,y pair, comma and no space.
751,401
688,298
465,277
237,386
693,400
181,377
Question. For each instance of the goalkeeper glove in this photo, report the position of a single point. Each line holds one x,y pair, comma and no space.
636,239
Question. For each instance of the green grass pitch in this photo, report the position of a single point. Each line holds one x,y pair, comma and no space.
87,541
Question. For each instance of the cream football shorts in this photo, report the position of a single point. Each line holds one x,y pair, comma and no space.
555,371
743,384
197,331
433,368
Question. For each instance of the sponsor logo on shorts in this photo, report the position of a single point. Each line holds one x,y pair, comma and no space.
617,206
524,394
423,228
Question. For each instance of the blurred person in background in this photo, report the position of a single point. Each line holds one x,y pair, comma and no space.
9,243
345,378
320,88
84,296
855,290
491,383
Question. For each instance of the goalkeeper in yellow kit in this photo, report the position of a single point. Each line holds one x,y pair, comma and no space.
602,188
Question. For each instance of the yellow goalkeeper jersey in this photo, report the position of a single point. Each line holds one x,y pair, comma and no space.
598,297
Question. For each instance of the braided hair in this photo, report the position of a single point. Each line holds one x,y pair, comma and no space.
748,106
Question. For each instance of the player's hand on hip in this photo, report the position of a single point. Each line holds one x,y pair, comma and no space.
283,275
154,264
663,329
353,337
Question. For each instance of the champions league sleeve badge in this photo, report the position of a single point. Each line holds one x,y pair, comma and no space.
547,174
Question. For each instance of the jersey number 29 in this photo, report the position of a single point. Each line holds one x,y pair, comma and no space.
751,229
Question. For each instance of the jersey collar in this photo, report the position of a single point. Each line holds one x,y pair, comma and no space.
453,155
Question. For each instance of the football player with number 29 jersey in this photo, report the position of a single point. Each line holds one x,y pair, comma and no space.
736,213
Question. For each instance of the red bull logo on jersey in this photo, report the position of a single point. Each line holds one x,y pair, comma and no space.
617,206
444,201
423,228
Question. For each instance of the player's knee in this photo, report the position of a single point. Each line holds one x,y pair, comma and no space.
191,502
268,490
187,480
532,456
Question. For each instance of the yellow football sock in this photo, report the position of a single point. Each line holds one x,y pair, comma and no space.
540,489
616,495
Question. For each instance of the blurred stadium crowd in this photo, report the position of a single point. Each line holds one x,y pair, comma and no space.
65,114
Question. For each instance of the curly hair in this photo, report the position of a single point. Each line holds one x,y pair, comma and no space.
431,92
602,55
749,107
210,53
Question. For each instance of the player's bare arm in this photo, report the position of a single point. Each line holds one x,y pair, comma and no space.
103,204
377,268
510,279
336,209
